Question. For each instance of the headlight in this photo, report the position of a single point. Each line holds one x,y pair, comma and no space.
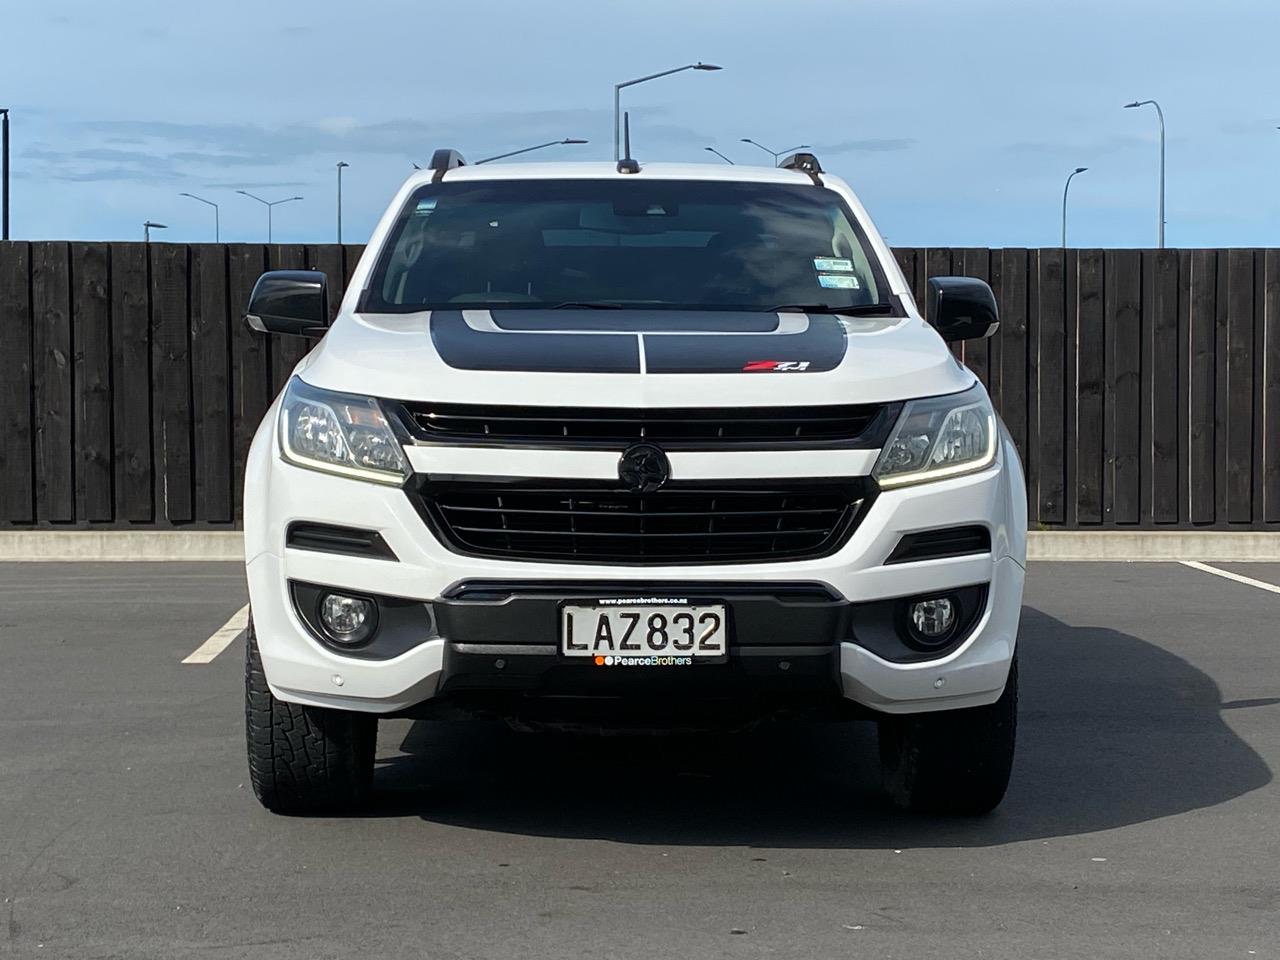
339,433
939,437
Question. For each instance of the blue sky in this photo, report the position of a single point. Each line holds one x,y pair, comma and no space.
956,122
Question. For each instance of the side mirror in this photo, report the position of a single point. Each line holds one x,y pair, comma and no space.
962,308
289,301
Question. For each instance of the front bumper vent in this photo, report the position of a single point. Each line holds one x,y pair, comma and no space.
935,544
332,538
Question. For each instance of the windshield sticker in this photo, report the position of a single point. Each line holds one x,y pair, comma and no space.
837,281
832,264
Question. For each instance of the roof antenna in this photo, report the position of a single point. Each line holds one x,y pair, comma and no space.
626,164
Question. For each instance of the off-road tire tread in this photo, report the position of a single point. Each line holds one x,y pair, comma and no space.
304,759
954,762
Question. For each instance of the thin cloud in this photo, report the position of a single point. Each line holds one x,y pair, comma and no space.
98,163
250,143
873,145
170,150
1062,148
254,184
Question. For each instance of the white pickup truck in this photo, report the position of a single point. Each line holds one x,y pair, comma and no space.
645,445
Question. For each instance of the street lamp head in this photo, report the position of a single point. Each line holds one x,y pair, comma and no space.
706,66
342,163
745,140
1081,169
574,140
156,226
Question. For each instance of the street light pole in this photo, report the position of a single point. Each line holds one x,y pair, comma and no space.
148,226
341,164
1160,114
617,90
217,229
1064,202
773,153
269,204
719,154
4,190
549,143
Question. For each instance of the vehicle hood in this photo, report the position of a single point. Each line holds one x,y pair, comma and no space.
634,358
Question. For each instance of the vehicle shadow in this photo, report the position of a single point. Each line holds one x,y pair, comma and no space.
1112,731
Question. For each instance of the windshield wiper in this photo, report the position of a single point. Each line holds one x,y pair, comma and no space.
861,310
586,305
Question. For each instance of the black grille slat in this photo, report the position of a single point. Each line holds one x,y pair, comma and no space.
600,523
610,513
822,531
861,425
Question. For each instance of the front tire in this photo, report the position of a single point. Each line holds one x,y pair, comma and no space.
304,759
953,762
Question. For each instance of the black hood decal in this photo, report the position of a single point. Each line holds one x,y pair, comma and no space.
819,346
635,341
461,345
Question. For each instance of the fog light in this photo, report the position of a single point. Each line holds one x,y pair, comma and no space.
932,620
348,620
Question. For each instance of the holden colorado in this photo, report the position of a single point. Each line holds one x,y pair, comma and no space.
648,447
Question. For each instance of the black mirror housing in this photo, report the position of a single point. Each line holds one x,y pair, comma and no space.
290,301
962,308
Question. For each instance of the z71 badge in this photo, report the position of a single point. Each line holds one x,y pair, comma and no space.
776,366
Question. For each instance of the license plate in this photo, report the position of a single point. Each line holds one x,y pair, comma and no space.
640,633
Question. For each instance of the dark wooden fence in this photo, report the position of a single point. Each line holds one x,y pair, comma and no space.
1142,386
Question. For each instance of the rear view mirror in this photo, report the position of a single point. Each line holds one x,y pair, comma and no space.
290,301
962,308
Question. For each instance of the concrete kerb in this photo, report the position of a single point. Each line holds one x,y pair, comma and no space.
97,545
228,545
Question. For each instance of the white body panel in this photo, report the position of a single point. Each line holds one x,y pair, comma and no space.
887,359
393,357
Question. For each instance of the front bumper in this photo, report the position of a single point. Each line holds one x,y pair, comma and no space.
823,656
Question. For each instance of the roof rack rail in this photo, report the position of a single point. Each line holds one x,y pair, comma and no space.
444,160
805,163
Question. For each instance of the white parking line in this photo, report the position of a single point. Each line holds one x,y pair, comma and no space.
1238,578
221,639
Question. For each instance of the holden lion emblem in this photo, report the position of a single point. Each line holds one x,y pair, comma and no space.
643,468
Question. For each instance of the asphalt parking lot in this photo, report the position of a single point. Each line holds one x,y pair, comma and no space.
1142,818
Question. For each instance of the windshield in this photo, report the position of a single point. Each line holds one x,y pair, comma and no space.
657,244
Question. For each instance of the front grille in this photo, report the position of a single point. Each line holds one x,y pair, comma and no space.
682,523
850,425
